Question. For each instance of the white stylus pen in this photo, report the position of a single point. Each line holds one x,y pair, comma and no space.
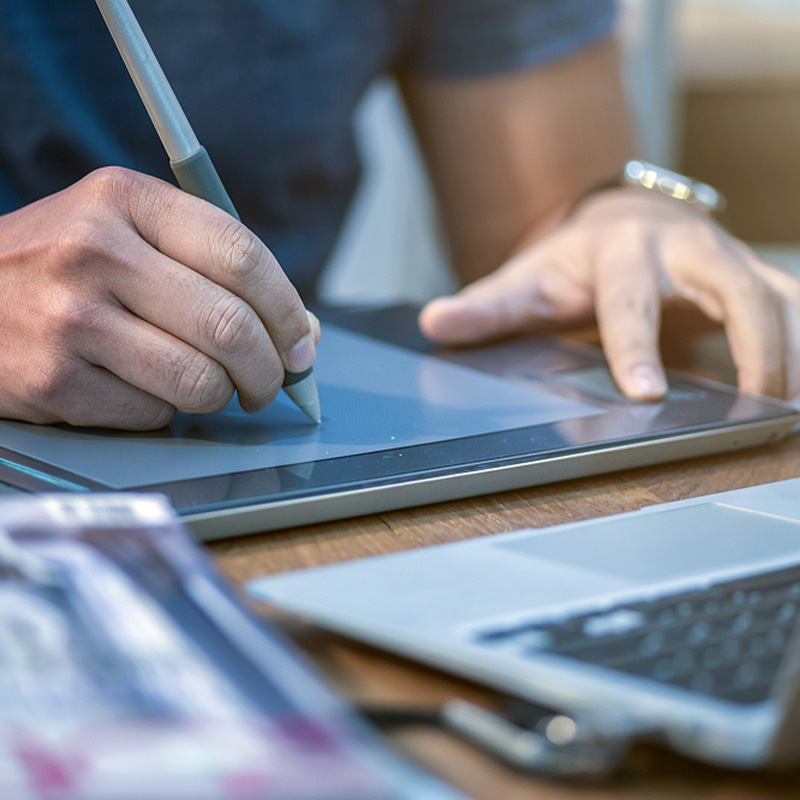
189,160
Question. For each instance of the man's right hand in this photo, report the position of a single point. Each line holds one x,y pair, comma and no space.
124,299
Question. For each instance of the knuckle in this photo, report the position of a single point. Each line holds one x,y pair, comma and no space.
748,286
150,202
690,238
71,318
242,251
698,232
200,384
633,229
229,322
114,193
645,308
82,242
111,185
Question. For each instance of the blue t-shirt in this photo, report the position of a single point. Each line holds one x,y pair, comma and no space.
270,87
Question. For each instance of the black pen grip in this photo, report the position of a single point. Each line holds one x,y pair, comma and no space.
197,175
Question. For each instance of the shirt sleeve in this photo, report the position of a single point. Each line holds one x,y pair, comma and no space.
456,38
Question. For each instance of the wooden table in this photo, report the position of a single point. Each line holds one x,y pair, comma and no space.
369,676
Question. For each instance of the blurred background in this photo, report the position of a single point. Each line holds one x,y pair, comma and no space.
714,87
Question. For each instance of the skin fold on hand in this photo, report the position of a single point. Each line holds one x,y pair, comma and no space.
619,257
125,299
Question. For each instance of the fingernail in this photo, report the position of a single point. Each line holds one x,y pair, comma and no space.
649,384
314,323
302,355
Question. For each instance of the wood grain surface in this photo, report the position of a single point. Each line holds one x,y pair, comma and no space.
368,676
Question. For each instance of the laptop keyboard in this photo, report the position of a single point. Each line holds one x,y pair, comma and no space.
726,640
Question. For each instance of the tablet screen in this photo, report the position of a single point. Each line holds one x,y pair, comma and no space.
404,423
374,397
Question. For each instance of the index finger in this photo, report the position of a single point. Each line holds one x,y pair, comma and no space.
219,247
628,310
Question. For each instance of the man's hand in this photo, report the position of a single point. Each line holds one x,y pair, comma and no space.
619,256
124,299
510,154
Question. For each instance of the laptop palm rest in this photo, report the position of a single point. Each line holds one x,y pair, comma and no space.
580,614
702,538
456,586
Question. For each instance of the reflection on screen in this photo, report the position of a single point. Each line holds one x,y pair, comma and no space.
374,397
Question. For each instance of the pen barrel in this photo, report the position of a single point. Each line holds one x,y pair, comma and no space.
197,175
157,95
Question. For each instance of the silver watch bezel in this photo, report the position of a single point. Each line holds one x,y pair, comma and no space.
672,184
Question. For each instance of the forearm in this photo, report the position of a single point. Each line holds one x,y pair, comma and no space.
508,155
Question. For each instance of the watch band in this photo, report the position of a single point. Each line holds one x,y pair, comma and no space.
671,184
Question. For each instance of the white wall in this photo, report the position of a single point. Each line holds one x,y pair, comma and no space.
390,248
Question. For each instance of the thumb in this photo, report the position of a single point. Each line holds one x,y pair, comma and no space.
524,294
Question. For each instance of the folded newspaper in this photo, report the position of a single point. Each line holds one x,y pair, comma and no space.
130,670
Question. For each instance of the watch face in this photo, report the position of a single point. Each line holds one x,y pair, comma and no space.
708,197
673,184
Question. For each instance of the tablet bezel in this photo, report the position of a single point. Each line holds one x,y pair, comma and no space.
700,417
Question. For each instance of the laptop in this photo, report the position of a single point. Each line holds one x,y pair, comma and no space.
676,623
404,424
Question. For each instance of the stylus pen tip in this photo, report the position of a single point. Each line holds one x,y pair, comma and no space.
301,388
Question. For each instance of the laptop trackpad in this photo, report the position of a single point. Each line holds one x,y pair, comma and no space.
671,543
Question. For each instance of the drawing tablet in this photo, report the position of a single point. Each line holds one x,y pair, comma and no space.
403,424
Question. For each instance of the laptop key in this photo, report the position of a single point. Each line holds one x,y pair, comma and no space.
725,641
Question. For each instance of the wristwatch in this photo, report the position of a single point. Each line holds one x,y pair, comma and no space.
658,179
